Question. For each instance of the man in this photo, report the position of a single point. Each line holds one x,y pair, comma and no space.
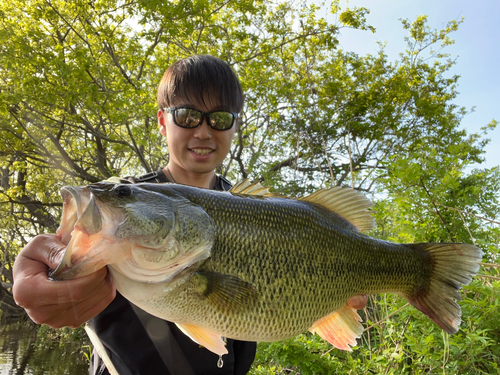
199,101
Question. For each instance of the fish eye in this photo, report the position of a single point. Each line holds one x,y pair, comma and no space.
122,191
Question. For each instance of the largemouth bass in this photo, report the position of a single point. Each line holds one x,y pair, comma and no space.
252,266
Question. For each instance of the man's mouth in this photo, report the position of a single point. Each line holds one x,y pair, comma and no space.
202,151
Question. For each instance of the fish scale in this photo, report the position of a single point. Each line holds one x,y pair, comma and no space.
252,266
323,263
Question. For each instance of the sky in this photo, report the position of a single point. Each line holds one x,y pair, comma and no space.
477,49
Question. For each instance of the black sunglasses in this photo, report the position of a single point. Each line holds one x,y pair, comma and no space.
191,118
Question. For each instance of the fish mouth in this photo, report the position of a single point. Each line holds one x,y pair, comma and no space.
81,221
77,202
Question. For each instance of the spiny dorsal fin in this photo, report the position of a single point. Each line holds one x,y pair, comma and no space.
245,187
346,202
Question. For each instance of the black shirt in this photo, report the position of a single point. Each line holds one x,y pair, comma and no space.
140,343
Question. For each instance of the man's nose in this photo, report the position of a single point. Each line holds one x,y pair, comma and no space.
204,131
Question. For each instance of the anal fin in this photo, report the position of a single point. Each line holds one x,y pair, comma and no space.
209,340
340,328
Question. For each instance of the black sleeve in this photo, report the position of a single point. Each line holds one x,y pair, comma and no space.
244,355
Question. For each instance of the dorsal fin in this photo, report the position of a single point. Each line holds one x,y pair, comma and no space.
346,202
245,187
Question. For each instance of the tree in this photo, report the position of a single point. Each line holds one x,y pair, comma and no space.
78,81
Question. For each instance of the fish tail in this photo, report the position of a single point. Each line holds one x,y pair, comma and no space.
453,265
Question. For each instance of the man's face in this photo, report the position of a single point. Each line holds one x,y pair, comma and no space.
195,151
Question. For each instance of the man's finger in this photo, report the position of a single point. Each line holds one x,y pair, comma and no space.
358,302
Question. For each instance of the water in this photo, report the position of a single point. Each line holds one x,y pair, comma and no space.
26,349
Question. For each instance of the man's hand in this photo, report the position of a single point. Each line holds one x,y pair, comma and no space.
358,302
57,303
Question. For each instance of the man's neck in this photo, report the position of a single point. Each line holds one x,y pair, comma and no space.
203,180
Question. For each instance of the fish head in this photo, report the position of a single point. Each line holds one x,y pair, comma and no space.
146,235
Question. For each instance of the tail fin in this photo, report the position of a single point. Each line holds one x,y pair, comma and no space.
453,265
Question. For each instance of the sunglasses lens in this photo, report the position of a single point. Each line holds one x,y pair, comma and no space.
187,117
191,118
221,120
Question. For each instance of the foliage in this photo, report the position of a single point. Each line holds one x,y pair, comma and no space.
77,84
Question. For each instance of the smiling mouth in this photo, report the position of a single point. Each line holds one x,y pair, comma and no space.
202,151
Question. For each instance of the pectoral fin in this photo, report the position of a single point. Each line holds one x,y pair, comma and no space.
209,340
226,292
341,328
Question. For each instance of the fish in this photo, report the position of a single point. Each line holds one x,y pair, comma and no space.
253,265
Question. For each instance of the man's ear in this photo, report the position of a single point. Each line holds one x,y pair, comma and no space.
161,123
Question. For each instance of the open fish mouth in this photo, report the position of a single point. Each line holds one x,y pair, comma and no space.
80,226
76,203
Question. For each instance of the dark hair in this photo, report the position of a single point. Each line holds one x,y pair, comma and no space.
201,79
